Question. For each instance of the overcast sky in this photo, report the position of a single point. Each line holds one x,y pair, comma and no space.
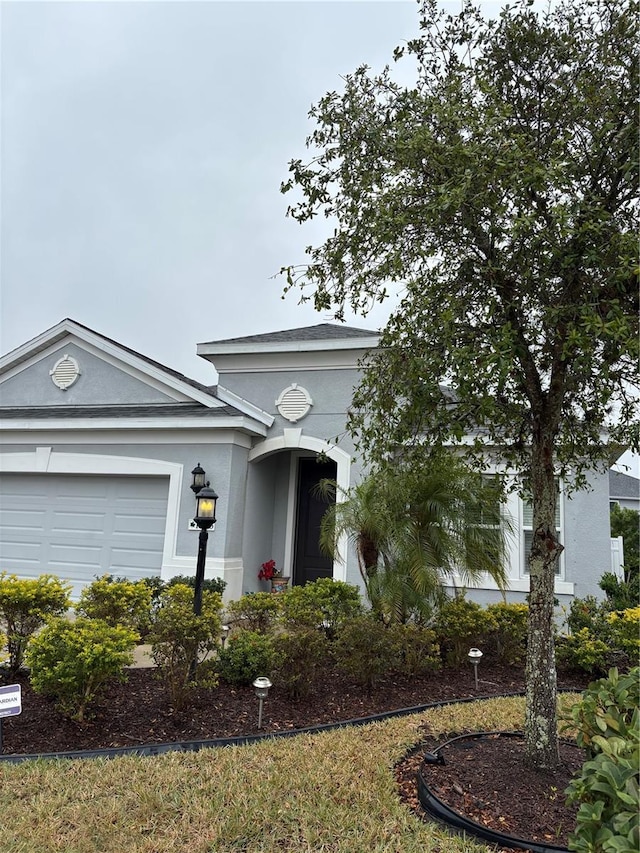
143,146
142,150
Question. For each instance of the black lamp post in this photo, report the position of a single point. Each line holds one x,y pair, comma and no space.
205,518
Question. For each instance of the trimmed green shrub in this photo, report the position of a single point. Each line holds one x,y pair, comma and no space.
588,613
25,605
246,655
608,722
583,651
73,661
366,649
416,651
300,608
179,638
256,611
298,654
208,585
336,600
624,631
621,594
510,633
117,602
461,624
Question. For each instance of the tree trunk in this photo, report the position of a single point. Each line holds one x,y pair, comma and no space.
541,725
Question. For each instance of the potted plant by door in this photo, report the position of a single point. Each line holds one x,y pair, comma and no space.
269,572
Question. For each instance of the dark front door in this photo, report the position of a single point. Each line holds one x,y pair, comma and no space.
310,564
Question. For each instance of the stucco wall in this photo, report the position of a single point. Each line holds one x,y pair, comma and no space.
99,383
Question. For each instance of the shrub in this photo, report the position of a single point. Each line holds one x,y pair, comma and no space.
620,594
247,655
366,649
607,709
179,638
586,613
583,651
255,611
608,724
300,608
74,660
510,633
461,624
25,605
299,655
624,631
336,600
415,649
208,585
117,602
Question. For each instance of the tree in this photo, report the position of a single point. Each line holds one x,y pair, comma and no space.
499,192
415,530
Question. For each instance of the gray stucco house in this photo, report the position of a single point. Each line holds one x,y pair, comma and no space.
98,443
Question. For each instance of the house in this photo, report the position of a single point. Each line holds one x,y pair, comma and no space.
624,491
98,444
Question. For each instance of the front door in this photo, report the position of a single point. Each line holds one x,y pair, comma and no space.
310,563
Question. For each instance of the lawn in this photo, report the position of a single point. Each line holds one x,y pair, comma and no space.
331,792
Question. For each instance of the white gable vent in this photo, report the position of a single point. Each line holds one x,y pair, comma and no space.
65,372
294,403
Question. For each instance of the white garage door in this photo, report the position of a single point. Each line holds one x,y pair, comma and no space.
80,527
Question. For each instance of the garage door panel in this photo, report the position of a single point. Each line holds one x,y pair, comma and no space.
80,527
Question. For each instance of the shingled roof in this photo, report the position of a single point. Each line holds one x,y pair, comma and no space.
321,332
623,486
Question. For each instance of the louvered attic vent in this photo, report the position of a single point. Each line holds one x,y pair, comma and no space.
65,372
294,403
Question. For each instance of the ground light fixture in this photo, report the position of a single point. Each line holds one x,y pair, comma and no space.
474,658
224,635
262,686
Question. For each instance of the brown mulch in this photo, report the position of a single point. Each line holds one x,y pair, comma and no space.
486,783
484,780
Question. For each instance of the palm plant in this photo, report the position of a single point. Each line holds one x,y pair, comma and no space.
415,531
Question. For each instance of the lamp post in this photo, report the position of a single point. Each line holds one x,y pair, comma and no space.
205,518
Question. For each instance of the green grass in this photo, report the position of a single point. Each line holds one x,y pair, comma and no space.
330,792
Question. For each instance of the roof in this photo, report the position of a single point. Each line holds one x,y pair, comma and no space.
320,332
623,486
157,410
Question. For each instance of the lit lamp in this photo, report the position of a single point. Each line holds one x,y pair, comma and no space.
474,658
205,518
262,686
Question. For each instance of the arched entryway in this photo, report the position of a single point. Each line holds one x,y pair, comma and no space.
295,526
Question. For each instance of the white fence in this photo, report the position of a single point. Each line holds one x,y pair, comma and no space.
617,556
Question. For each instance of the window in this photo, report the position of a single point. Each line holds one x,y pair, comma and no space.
527,530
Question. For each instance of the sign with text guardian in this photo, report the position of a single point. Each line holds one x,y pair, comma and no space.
10,700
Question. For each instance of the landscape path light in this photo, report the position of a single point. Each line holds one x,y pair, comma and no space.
474,657
224,634
262,686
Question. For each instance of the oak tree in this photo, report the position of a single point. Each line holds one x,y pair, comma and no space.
498,192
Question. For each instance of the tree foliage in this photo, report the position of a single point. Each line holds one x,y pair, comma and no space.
500,194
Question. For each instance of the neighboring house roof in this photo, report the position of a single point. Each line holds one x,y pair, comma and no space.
320,332
154,410
623,486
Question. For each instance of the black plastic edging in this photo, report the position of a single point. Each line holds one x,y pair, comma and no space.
144,750
441,812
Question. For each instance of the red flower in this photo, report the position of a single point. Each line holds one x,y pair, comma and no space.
268,571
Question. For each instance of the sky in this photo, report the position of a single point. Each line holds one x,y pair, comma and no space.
143,145
143,148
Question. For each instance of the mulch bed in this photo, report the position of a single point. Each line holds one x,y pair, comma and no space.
489,786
